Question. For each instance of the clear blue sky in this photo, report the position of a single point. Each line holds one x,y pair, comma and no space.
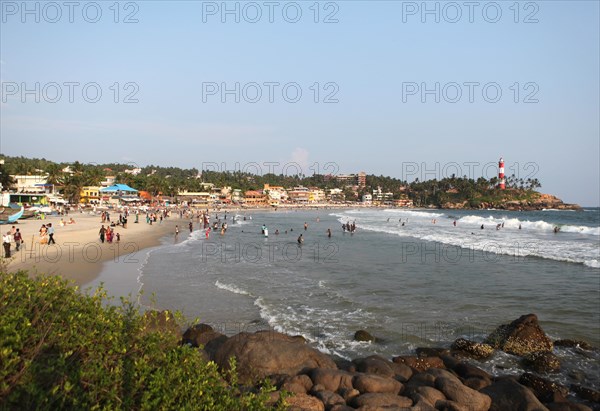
376,50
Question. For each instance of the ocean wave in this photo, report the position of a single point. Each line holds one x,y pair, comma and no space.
539,225
231,288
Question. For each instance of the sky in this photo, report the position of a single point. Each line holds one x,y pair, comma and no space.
397,88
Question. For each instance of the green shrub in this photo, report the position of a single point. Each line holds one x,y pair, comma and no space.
61,349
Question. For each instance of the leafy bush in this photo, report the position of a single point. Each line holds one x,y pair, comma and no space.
61,349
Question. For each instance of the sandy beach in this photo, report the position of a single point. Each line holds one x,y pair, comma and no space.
78,254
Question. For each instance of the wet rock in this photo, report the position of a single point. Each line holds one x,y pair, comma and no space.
379,401
303,402
544,389
431,351
508,394
455,391
419,363
470,371
374,365
332,380
192,334
586,393
542,361
267,352
362,335
522,336
472,349
367,383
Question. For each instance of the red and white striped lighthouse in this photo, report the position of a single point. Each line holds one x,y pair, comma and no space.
501,182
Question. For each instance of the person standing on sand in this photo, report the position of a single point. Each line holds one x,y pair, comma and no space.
191,226
102,233
6,240
176,230
51,234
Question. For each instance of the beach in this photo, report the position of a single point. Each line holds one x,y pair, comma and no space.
78,254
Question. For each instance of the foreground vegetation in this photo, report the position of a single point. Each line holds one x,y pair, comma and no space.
62,349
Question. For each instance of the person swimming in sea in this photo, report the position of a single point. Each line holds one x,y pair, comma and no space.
482,226
300,239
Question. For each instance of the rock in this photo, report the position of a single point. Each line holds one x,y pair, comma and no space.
374,365
573,344
477,383
302,380
428,394
472,349
470,371
567,406
431,351
191,334
274,396
379,401
348,393
329,399
343,407
454,390
419,363
446,405
523,336
362,335
303,402
161,321
545,390
368,383
508,394
586,393
402,372
211,341
294,388
542,361
422,405
418,380
267,352
331,380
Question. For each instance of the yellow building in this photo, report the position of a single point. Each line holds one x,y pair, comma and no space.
90,194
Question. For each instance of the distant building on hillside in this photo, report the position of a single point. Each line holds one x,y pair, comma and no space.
359,179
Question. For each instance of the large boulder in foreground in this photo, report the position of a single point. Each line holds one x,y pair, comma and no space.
521,337
508,394
264,353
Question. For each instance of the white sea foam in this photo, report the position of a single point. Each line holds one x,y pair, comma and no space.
231,288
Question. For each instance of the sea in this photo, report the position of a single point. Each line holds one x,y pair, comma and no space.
411,278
